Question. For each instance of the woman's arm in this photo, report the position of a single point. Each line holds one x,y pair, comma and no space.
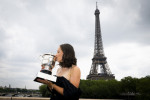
52,86
74,79
75,76
58,89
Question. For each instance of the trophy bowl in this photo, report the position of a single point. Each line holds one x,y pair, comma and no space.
47,63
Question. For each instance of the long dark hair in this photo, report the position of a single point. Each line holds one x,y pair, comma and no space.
68,58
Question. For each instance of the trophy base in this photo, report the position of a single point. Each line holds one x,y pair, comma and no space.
46,72
41,75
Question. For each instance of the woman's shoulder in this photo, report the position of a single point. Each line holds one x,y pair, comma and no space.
75,76
75,67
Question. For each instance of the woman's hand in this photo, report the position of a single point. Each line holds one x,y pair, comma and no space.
48,83
54,60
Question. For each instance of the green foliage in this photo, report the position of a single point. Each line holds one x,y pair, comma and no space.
44,91
129,84
143,88
99,88
104,89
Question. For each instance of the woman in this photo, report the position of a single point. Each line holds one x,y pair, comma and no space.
68,75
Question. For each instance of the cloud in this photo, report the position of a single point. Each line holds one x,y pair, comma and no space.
31,28
128,59
124,21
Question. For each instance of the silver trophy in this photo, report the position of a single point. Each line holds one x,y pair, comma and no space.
47,63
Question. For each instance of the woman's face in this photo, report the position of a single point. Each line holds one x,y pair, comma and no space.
59,55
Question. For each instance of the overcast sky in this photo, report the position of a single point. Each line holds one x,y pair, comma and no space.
29,28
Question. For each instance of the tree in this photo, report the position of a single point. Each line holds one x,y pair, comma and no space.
100,88
143,88
128,84
44,91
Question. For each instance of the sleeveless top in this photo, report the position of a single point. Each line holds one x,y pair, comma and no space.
70,91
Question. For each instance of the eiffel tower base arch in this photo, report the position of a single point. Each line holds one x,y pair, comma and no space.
100,76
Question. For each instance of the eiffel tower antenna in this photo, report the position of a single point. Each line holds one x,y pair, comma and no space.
96,6
99,60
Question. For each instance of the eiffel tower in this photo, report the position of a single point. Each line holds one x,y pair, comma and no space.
99,62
